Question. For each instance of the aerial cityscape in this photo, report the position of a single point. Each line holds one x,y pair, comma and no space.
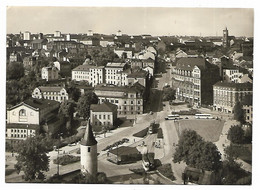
129,95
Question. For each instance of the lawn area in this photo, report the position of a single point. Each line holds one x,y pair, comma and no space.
210,130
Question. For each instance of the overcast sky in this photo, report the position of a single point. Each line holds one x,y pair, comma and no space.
154,21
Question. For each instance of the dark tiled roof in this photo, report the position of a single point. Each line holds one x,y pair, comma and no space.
21,126
139,74
87,67
89,139
107,87
124,150
36,103
50,88
188,63
234,85
104,107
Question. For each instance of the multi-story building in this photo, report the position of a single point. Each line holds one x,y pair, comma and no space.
193,79
226,95
56,93
232,75
103,115
248,111
24,119
129,99
92,74
50,73
140,76
114,73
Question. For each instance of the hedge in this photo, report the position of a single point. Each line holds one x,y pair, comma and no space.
66,159
141,133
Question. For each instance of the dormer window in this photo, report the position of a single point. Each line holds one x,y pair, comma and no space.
22,112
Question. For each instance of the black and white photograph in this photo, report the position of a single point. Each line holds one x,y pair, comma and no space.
128,95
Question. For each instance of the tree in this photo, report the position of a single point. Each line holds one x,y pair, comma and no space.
32,158
14,70
168,94
84,103
236,134
197,153
66,111
239,112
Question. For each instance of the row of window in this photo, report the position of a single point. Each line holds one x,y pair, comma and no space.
20,130
125,102
100,116
100,123
124,113
17,135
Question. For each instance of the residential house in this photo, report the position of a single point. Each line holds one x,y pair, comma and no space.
140,76
50,73
103,115
124,52
56,93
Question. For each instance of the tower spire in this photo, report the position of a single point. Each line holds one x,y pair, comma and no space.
88,139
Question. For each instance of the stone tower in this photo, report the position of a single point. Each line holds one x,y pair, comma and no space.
88,152
225,38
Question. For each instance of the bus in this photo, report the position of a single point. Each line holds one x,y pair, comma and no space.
172,117
203,116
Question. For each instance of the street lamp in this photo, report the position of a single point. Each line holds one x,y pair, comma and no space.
59,135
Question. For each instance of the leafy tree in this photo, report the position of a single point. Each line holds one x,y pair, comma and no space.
84,103
197,153
32,158
66,111
239,112
168,94
74,93
14,71
236,134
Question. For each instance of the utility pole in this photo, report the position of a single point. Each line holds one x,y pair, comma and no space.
58,169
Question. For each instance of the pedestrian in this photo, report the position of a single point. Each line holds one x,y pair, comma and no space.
134,140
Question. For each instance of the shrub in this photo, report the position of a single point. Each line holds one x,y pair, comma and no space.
124,140
166,170
67,159
160,134
139,171
141,133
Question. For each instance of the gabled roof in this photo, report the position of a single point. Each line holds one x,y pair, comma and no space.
88,139
188,63
36,104
104,107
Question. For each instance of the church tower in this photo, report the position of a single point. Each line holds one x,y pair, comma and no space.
225,38
88,152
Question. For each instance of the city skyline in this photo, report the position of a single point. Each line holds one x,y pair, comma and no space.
132,21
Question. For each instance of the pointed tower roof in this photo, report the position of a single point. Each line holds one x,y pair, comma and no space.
89,139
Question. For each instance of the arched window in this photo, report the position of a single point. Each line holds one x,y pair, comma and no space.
22,112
